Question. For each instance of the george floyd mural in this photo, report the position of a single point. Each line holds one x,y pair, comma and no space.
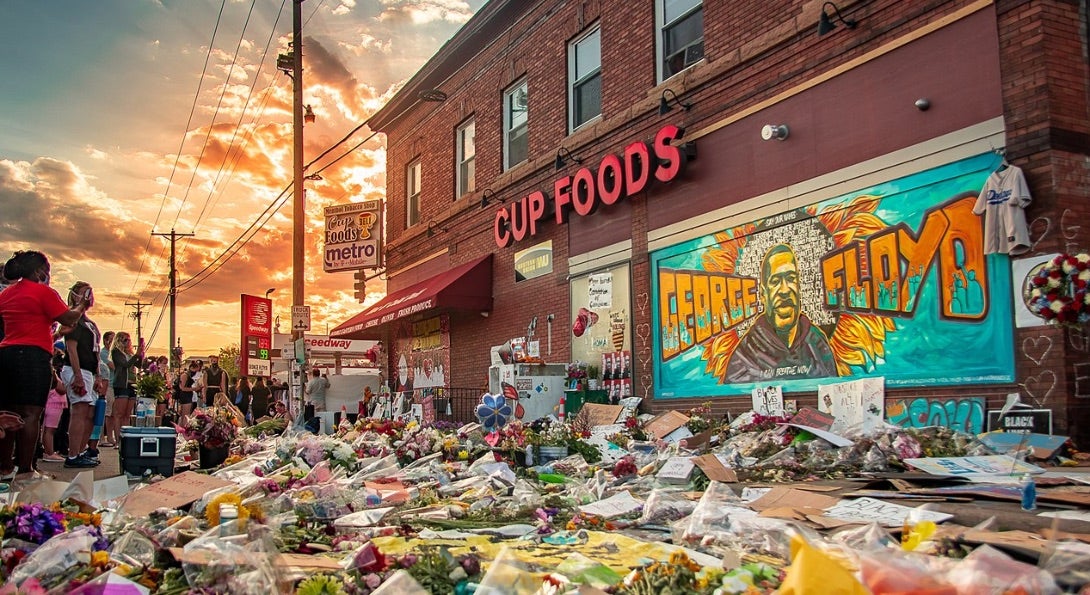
887,281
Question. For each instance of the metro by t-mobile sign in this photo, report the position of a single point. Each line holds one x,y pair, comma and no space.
256,336
617,177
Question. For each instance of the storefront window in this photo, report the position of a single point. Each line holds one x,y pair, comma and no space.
601,332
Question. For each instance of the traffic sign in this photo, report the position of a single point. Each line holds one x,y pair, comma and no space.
287,351
300,318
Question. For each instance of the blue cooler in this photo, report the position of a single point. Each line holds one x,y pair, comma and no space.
144,450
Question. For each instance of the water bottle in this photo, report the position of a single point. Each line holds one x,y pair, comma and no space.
228,515
1029,493
140,413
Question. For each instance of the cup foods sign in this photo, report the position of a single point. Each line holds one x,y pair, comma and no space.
353,236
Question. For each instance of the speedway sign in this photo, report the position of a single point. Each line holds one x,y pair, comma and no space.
353,236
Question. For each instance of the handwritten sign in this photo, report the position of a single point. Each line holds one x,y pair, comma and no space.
665,424
966,466
869,510
856,404
615,505
768,400
676,470
600,291
172,492
601,415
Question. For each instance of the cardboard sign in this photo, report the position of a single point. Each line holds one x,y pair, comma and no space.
768,400
887,514
965,466
601,415
808,416
715,468
784,497
173,492
676,470
855,404
1035,421
666,423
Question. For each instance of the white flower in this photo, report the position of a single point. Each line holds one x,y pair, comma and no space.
1056,306
1084,258
1084,275
1052,282
1068,267
1036,293
1086,299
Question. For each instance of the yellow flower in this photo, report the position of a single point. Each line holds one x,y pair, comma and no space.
100,559
463,455
212,511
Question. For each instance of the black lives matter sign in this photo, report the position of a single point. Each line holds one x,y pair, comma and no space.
1036,421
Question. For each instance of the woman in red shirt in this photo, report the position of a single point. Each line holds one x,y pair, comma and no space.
28,309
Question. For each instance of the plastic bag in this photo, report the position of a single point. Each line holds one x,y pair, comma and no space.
987,571
711,516
56,556
664,507
1069,564
401,583
508,576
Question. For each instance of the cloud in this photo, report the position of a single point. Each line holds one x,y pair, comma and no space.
422,12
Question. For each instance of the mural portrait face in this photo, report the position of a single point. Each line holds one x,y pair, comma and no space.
780,288
403,370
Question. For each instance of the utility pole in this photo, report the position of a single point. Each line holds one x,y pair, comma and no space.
298,199
173,290
138,315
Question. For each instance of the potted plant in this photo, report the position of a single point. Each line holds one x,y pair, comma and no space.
213,429
549,440
592,377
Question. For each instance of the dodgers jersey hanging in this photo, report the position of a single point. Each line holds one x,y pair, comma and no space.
1002,202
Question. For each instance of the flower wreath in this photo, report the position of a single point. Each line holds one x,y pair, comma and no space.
1059,290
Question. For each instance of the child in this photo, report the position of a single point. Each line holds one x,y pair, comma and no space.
54,408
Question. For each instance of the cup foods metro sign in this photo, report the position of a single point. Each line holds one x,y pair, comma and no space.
353,235
616,177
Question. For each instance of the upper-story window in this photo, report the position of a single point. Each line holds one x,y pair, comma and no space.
412,193
681,35
585,79
515,124
466,155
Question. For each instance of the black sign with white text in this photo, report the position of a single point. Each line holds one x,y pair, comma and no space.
1036,421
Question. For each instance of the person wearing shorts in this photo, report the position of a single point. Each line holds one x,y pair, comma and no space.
188,389
51,420
111,435
78,374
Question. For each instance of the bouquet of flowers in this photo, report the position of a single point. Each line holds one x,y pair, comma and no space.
700,418
213,428
577,370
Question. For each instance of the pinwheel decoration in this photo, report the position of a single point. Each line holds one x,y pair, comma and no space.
493,412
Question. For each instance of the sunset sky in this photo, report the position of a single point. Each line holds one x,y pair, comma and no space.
117,121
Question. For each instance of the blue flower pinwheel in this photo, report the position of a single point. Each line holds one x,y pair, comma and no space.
493,412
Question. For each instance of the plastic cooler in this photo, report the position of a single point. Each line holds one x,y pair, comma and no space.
145,450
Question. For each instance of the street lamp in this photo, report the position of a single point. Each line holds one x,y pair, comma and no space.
268,291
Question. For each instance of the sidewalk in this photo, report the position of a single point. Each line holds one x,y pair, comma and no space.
110,467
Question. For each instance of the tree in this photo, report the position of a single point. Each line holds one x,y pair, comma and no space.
230,358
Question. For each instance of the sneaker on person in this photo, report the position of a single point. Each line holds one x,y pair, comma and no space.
79,462
90,455
53,458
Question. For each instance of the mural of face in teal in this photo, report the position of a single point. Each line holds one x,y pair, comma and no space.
890,281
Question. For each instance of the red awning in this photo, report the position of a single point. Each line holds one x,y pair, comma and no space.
465,287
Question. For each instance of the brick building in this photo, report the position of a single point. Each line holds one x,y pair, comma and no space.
742,201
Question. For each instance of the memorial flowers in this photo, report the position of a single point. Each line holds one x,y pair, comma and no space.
214,427
1058,292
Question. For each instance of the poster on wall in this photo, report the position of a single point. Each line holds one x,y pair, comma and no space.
856,404
601,311
421,351
1022,272
890,281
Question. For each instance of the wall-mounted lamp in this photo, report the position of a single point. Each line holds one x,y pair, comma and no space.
433,95
774,131
314,177
433,229
487,196
308,115
562,155
668,97
826,24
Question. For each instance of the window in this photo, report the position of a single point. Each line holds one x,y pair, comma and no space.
466,154
412,194
585,79
515,137
681,35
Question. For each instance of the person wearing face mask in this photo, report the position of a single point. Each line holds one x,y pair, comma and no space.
28,309
215,380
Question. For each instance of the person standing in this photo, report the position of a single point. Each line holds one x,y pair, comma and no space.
125,361
106,370
215,380
54,409
260,397
242,396
78,374
28,308
316,390
188,389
